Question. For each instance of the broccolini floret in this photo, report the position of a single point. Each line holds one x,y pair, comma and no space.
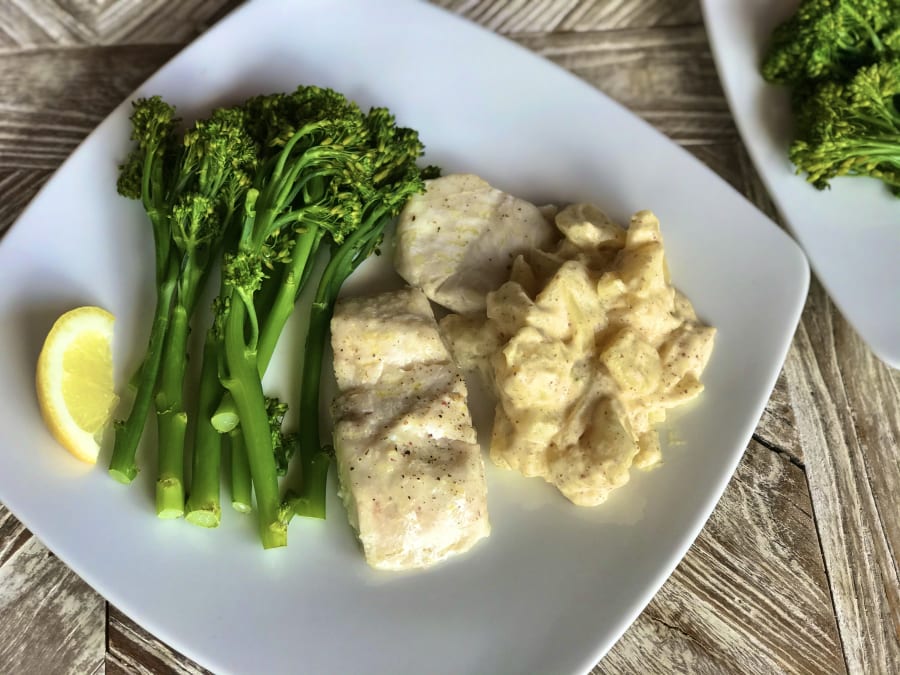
830,39
312,185
852,129
841,59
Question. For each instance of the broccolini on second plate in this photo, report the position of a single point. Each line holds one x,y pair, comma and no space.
842,60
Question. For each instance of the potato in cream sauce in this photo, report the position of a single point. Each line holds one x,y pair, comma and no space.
587,346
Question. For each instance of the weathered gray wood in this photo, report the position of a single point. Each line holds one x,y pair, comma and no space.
845,408
131,649
63,23
751,596
50,620
665,75
847,418
544,16
53,98
18,187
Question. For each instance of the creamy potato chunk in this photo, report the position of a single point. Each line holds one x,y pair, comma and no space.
458,239
411,473
587,345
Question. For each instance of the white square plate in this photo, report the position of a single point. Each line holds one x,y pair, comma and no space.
555,585
851,233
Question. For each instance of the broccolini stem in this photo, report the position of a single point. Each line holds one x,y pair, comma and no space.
315,459
169,485
319,319
171,418
240,473
290,284
289,146
311,503
151,189
203,506
242,380
311,499
122,466
873,36
170,413
295,274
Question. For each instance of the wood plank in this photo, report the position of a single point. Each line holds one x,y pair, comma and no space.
52,621
53,98
158,21
777,428
845,406
131,649
543,16
13,535
18,187
751,596
845,402
39,23
604,14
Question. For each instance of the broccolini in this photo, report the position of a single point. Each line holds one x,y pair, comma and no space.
828,39
261,186
190,191
842,60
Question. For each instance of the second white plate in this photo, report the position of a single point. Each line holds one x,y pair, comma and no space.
851,233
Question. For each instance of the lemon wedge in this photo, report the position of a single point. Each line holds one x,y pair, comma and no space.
75,380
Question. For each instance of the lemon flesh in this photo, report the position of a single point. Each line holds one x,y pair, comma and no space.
75,380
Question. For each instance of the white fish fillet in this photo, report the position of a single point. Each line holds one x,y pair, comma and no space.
411,472
458,240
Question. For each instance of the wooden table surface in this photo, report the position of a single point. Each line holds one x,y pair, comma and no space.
796,570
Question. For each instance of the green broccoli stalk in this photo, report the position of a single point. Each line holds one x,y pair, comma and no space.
203,507
238,373
212,175
396,178
830,39
852,129
189,191
320,141
283,444
339,211
144,176
310,208
241,485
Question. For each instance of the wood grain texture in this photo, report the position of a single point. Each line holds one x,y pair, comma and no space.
747,599
844,408
849,423
61,95
796,571
66,23
52,622
132,650
545,16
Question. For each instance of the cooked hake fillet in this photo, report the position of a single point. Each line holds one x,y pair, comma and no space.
411,474
458,239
